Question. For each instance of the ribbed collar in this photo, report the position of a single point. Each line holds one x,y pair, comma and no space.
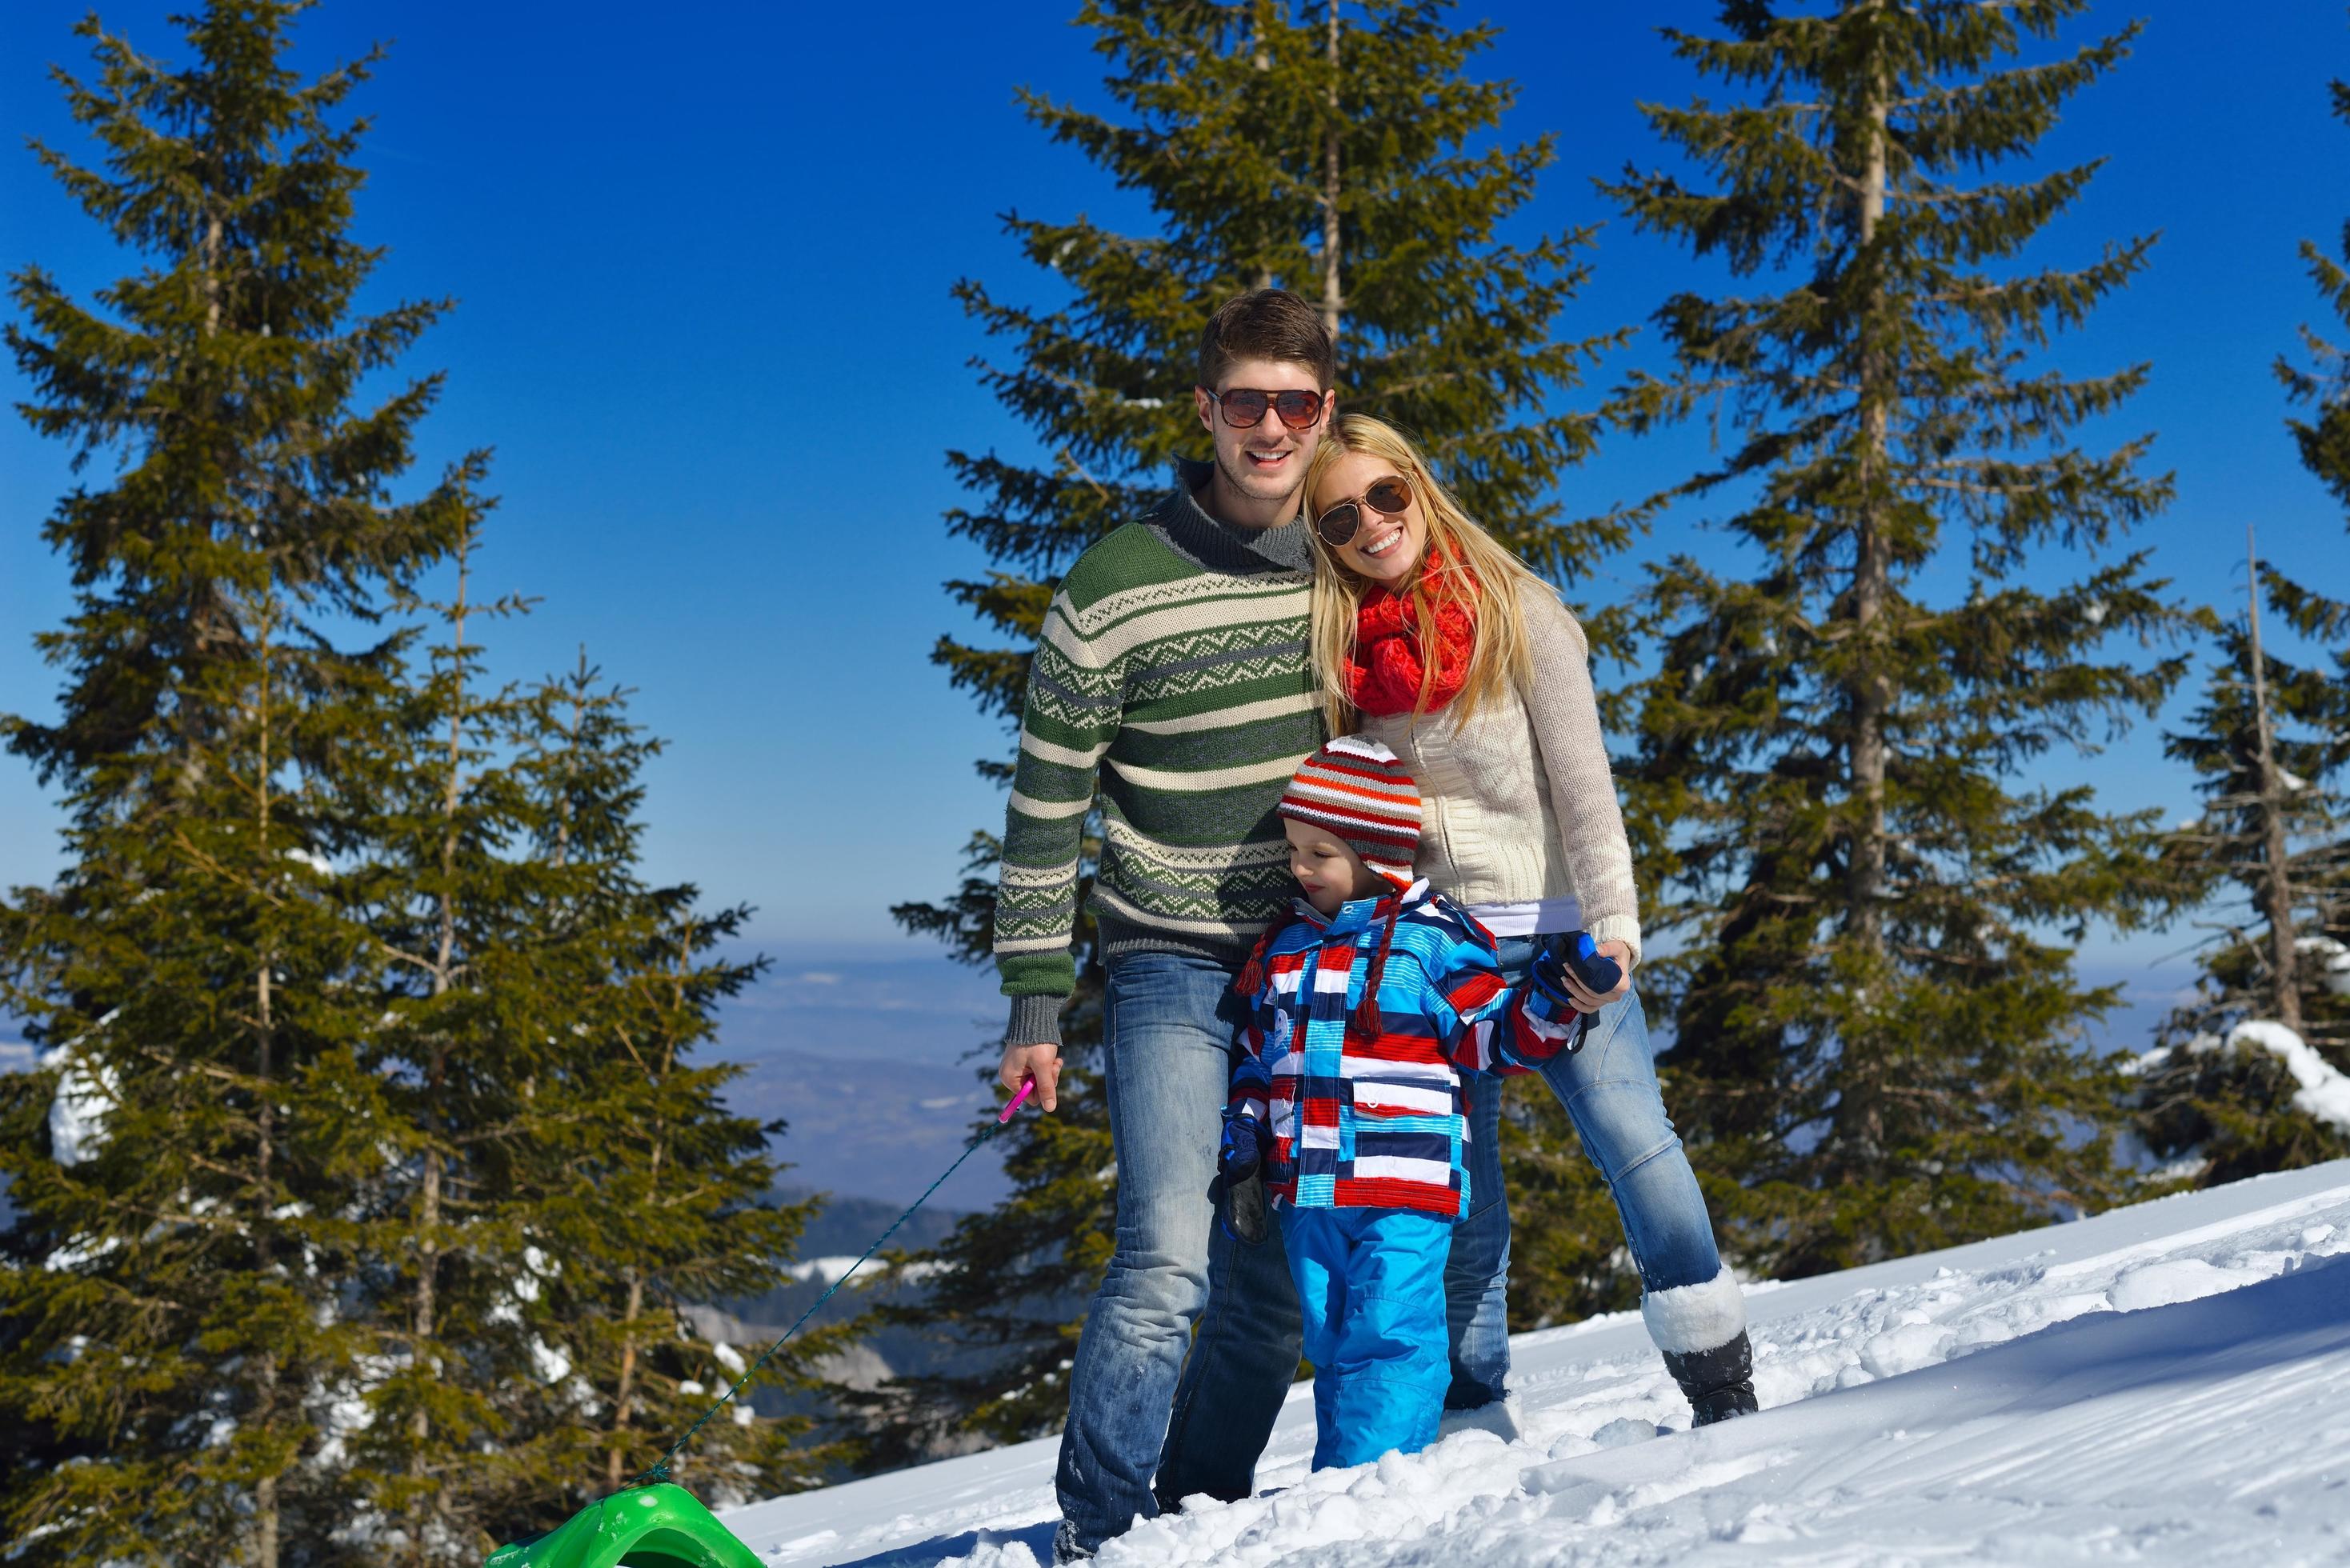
1219,546
1355,914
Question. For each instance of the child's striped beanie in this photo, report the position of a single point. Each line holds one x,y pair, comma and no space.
1360,791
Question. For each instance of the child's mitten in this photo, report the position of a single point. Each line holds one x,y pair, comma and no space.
1574,952
1239,1181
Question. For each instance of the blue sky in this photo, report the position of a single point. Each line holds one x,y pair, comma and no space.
703,254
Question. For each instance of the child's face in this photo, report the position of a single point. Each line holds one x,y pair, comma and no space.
1328,871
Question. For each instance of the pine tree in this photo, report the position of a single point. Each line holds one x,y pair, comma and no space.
2267,746
477,996
1326,150
171,1322
2271,744
1878,1034
174,1313
224,373
646,1198
2323,385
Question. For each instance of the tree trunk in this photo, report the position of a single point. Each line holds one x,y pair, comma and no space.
212,276
429,1195
1332,302
626,1392
1871,684
2276,879
265,1494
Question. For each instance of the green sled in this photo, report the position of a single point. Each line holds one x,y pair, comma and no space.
651,1527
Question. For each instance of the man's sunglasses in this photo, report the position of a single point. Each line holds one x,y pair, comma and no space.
1244,406
1389,496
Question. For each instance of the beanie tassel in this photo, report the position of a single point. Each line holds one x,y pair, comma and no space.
1367,1024
1251,983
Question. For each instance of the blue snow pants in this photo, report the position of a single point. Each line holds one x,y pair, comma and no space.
1370,1283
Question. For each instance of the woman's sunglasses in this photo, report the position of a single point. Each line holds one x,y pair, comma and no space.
1389,496
1244,406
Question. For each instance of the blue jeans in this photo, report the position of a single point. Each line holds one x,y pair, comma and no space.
1171,1022
1371,1283
1609,1089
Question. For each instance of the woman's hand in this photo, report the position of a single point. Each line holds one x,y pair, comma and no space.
1589,1001
1022,1062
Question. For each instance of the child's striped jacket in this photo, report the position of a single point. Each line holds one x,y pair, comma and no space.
1377,1118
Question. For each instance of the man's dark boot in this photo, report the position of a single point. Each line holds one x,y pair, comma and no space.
1719,1382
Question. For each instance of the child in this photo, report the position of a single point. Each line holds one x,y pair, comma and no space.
1366,1006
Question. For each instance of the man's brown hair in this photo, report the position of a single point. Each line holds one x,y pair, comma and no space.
1268,324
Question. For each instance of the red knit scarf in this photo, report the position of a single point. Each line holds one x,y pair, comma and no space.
1387,665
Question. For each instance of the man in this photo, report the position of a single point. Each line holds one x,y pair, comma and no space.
1173,669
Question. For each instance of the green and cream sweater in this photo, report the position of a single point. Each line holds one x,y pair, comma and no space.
1172,672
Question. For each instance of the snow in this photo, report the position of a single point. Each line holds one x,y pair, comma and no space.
2332,960
2169,1383
832,1268
2324,1092
78,1110
552,1364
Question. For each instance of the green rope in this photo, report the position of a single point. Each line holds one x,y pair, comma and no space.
659,1469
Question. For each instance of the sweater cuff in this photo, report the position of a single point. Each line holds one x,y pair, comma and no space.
1625,929
1035,1020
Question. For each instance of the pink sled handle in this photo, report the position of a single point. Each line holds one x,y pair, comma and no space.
1003,1116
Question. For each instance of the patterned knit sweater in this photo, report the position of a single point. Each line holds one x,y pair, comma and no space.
1173,673
1353,1119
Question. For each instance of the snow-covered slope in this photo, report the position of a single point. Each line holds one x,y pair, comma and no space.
2164,1384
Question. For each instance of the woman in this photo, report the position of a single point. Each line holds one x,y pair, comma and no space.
1434,639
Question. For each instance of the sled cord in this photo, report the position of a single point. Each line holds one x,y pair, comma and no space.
659,1471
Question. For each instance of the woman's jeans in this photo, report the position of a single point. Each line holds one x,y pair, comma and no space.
1609,1089
1171,1022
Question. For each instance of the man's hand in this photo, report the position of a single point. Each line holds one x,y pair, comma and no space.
1022,1062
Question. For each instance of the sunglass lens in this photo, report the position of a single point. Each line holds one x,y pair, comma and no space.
1297,410
1243,408
1339,525
1392,497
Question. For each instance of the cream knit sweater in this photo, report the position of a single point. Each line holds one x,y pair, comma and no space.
1519,807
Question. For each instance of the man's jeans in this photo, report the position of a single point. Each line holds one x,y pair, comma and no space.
1609,1089
1171,1022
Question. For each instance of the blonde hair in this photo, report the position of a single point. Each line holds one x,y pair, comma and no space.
1471,570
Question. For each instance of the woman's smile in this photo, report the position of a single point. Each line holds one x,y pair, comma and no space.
1381,545
1386,547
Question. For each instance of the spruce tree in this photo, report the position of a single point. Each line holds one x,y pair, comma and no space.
2270,744
1335,150
223,374
2267,746
175,1307
172,1323
1878,1034
646,1198
476,997
2321,384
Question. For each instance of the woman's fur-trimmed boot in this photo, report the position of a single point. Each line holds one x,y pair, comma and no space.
1702,1331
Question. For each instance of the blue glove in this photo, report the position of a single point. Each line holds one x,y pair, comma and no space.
1242,1151
1238,1191
1574,952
